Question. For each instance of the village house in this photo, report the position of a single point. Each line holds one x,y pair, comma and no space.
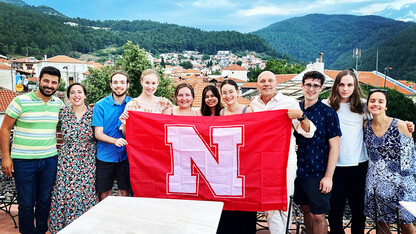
235,71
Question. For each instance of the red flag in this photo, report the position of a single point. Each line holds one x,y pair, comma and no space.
238,159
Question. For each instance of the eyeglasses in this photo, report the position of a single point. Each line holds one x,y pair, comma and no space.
379,90
314,86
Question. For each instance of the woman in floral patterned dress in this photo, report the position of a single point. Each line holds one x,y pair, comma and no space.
391,168
74,190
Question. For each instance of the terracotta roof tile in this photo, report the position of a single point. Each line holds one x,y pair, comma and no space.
6,96
4,61
249,85
371,78
5,67
284,77
25,60
221,79
192,71
235,67
63,59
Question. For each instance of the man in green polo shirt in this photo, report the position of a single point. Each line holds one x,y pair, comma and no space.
33,157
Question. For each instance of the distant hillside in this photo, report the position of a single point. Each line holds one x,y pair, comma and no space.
335,35
42,9
25,30
399,53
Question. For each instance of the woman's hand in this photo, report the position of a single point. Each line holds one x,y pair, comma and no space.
124,116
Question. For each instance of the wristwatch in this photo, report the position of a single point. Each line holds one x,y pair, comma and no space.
303,117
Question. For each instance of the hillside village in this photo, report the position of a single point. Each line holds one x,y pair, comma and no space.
20,75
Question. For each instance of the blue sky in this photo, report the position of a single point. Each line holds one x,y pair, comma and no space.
243,16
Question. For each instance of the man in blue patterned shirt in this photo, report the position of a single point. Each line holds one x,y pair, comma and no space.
317,156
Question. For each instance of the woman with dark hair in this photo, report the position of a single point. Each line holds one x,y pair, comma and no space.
184,97
74,190
211,101
391,168
235,221
229,91
348,101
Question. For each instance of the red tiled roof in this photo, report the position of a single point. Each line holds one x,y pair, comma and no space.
6,96
5,67
192,71
221,79
370,78
96,65
4,61
284,77
249,85
168,66
408,83
63,59
35,79
235,67
25,60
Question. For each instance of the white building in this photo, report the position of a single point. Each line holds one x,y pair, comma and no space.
235,71
72,70
7,77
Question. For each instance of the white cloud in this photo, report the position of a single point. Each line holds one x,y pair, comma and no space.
214,4
378,7
411,16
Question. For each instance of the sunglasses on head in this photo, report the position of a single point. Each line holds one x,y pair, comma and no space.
354,71
379,90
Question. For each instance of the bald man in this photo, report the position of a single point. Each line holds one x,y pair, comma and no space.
270,99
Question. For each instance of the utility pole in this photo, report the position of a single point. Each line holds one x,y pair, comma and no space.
376,67
356,53
385,74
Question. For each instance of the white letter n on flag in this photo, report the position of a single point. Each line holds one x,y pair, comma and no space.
192,158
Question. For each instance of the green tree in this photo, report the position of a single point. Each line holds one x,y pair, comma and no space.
134,62
186,65
98,84
205,57
239,63
162,63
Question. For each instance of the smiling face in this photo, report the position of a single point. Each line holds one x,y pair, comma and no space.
346,88
184,98
311,89
48,84
267,84
210,99
377,103
229,94
149,84
77,96
119,85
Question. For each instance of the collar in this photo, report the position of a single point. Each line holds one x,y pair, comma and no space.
112,102
33,96
313,107
277,98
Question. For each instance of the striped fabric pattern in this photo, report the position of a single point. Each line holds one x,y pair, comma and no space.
35,127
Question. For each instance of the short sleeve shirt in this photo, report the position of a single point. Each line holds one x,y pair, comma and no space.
35,127
106,114
313,152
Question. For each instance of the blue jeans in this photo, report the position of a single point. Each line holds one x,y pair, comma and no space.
34,179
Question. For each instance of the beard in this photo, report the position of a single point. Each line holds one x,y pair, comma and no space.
43,92
121,94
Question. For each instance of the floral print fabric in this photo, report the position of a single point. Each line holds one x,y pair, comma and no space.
74,190
390,173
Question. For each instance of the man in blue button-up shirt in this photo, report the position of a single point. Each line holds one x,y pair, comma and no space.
317,156
111,161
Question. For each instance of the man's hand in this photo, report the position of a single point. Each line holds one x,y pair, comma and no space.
326,185
7,166
294,113
120,142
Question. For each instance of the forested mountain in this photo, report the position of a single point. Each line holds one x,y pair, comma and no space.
337,36
399,53
23,30
43,9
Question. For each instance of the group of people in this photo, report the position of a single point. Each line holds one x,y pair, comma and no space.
327,162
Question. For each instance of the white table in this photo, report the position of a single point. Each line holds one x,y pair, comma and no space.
410,206
148,215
